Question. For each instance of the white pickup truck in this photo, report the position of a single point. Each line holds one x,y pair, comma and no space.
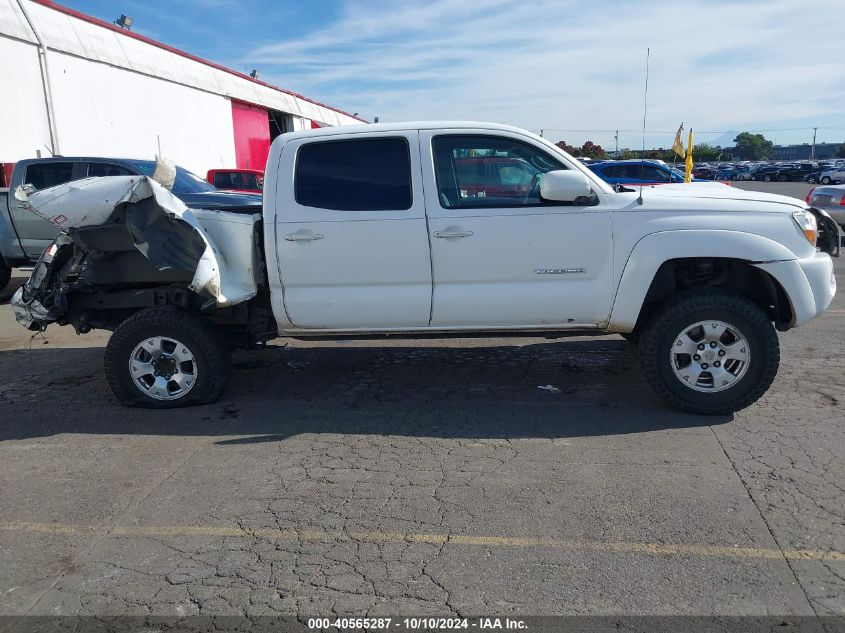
434,229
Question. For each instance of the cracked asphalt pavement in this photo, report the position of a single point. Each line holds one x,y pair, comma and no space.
421,477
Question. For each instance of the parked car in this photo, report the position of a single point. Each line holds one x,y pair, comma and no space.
726,173
241,180
766,173
372,231
833,177
498,176
636,172
704,173
743,172
830,198
23,236
6,174
794,173
813,177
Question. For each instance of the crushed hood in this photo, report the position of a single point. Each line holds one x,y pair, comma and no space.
162,228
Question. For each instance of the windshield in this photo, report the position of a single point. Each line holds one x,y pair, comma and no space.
186,182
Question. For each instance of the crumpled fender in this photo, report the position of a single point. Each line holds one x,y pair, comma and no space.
654,249
163,229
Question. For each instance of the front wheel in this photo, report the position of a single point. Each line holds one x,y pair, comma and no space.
162,358
710,352
826,180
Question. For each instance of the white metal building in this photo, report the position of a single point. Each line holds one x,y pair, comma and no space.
79,86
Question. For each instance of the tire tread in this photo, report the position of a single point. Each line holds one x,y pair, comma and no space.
690,305
206,336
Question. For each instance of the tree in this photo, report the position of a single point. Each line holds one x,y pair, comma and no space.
753,146
840,151
566,147
587,150
591,150
707,153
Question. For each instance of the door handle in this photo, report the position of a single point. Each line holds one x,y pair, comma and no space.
303,237
448,234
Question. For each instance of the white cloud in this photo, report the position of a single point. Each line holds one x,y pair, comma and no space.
576,64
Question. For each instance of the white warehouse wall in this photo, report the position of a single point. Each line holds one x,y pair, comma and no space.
101,110
23,113
113,92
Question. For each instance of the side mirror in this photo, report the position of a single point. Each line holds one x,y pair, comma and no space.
564,185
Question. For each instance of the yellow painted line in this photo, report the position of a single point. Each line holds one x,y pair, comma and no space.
664,549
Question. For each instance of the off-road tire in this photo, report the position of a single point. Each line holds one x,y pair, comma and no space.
688,308
206,344
5,273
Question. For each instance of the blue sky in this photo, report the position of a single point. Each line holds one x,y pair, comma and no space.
574,68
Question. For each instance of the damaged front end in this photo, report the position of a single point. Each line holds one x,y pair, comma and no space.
127,243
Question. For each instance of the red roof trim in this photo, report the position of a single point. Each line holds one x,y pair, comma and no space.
106,25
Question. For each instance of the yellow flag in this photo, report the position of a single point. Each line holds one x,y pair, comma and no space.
678,145
688,160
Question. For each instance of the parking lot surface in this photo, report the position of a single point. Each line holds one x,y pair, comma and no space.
516,476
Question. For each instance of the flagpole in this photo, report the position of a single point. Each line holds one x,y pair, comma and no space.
645,112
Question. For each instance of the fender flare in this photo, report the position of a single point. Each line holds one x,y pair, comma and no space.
652,250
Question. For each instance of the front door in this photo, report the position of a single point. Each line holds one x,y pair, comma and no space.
501,257
351,233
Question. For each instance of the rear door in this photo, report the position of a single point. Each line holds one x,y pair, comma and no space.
351,232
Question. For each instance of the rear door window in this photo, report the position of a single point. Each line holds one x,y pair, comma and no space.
46,175
355,175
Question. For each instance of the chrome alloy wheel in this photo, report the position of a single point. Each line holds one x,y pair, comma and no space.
710,356
163,368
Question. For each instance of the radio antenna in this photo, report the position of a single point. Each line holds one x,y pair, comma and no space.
645,112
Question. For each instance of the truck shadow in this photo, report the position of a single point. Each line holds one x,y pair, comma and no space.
569,388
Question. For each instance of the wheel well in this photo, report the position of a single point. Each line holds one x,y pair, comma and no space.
677,275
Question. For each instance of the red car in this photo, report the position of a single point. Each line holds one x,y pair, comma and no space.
244,180
494,176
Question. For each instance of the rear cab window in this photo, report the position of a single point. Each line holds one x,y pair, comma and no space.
372,174
46,175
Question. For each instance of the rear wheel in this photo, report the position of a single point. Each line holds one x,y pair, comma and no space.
161,358
710,352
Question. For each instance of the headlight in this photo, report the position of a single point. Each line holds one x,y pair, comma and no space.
806,221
